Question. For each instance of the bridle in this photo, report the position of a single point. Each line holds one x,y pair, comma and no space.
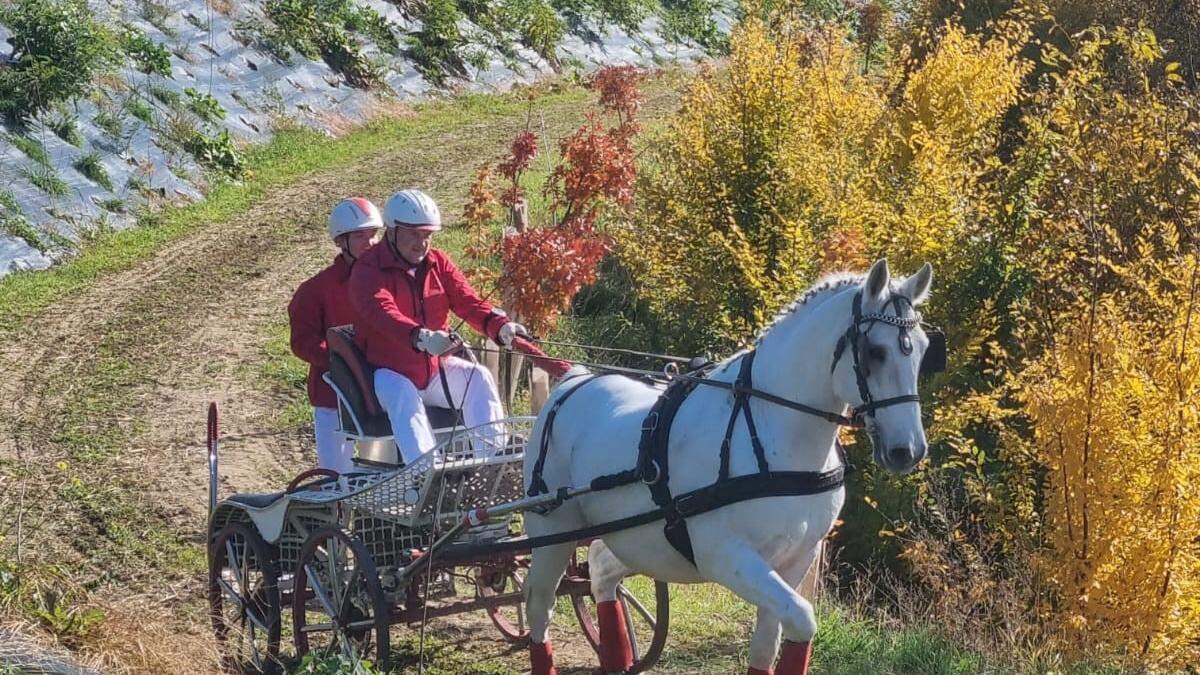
854,336
933,361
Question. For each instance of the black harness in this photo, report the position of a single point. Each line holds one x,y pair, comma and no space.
653,467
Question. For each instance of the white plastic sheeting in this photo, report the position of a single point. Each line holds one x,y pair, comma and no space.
254,88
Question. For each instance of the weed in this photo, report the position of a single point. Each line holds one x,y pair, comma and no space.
216,152
63,124
111,121
140,109
204,105
89,165
157,15
17,226
32,148
9,201
149,56
114,205
47,179
168,97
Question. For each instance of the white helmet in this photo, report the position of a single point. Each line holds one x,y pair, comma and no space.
412,209
355,213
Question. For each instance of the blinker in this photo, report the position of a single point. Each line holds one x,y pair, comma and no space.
934,360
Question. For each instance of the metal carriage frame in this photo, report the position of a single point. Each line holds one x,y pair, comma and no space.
347,558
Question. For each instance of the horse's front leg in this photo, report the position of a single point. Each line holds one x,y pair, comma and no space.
736,566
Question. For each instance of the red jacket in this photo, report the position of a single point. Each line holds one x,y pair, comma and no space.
320,303
391,303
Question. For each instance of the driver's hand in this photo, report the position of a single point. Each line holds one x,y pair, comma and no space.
436,342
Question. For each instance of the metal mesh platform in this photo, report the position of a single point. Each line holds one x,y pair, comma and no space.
477,467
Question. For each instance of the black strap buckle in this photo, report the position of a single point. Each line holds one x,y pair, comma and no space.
651,421
649,478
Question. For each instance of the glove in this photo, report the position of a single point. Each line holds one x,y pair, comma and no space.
436,342
509,331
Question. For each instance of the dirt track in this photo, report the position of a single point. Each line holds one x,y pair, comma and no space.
148,347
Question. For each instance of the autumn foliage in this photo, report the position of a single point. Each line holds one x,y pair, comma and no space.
1054,183
542,266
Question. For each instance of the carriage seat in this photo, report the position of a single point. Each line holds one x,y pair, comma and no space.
353,380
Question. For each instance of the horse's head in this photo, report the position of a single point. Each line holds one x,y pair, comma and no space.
877,360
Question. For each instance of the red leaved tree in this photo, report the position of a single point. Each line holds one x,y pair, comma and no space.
543,266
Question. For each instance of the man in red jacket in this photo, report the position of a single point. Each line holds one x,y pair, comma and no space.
322,302
403,292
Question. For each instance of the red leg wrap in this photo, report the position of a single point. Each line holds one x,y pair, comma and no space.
756,671
616,656
795,657
542,658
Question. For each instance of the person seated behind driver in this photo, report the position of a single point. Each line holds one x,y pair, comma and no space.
321,303
403,291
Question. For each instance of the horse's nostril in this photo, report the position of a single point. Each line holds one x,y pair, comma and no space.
900,455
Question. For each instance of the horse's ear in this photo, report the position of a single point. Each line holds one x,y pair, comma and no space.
916,287
877,281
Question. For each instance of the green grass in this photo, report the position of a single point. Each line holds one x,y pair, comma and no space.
16,225
31,147
46,179
293,153
89,165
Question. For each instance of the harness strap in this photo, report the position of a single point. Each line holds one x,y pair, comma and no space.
689,504
537,485
841,420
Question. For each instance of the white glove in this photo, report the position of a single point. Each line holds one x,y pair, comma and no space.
509,331
436,342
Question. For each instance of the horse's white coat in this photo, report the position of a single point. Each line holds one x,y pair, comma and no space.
762,548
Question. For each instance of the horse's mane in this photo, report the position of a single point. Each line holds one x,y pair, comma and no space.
824,287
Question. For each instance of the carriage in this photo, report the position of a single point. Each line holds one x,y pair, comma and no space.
343,561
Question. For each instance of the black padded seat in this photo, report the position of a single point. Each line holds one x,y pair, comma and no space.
355,379
257,501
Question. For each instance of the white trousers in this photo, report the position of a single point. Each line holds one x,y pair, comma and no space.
471,387
333,450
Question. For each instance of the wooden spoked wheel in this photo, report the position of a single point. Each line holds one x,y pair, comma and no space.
493,581
243,600
647,618
338,607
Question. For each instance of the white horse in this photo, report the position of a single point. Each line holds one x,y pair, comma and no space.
761,548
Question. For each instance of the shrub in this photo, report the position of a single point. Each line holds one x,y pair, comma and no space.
58,47
215,152
436,49
693,20
319,30
149,56
89,165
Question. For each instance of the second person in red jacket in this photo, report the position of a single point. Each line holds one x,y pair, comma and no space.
403,291
321,303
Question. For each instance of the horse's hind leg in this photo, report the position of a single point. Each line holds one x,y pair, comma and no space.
606,572
734,565
764,643
541,586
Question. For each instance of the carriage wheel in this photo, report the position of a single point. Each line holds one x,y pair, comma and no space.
243,600
338,606
643,619
510,620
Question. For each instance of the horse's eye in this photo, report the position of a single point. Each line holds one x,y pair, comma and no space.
876,353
